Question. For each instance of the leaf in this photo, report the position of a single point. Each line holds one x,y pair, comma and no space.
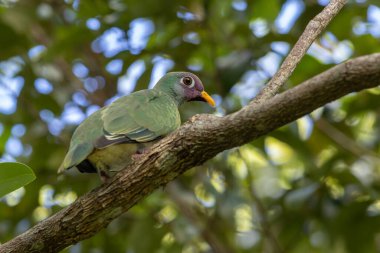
265,9
13,176
11,41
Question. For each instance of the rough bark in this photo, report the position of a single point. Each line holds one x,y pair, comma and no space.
192,144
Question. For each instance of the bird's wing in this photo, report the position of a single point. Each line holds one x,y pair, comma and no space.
140,117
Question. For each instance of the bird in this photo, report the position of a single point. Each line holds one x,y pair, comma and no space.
108,139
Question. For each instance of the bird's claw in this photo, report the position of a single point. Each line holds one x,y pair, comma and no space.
139,153
104,177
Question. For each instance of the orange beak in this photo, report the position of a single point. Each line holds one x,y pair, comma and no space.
208,98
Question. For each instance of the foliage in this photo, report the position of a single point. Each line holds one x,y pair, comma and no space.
14,176
312,186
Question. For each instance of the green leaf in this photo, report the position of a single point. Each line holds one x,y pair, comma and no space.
265,9
13,176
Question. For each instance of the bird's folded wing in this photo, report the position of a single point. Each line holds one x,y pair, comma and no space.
141,117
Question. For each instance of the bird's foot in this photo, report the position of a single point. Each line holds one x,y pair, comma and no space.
139,153
104,177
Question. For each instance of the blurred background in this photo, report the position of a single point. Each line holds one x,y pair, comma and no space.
311,186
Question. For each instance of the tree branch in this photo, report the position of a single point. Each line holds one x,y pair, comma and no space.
192,144
312,31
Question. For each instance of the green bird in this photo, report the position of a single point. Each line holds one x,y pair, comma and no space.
105,142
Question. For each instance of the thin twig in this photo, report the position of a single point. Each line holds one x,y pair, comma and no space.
190,212
264,222
344,141
312,31
262,213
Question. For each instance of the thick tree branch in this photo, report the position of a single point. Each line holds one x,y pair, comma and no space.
192,144
312,31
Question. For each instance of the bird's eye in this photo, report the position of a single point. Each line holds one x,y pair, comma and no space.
188,81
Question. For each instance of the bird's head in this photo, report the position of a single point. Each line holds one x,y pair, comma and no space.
184,86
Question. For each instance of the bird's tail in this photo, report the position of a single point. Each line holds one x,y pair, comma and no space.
61,169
